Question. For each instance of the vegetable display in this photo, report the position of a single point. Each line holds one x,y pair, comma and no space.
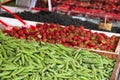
69,36
24,60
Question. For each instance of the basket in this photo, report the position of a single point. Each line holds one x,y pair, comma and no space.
105,26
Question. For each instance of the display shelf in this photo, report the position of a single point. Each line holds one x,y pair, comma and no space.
5,1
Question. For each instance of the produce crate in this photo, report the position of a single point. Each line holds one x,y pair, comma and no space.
117,50
107,53
114,54
116,70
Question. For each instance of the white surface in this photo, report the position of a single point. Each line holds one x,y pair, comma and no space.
18,9
15,22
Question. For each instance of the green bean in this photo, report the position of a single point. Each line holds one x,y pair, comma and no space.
36,60
4,73
43,61
4,52
1,61
23,59
16,59
20,62
20,77
8,68
94,72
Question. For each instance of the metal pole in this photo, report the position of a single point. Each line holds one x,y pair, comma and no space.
49,5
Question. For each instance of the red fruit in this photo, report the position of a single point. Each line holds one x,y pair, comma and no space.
95,34
59,41
49,37
104,35
56,31
79,40
32,27
91,44
22,37
81,28
15,35
20,32
86,38
45,24
76,30
52,25
72,27
15,29
66,29
73,43
79,45
86,46
100,38
38,25
66,44
63,39
53,41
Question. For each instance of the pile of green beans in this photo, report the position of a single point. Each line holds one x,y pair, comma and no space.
21,60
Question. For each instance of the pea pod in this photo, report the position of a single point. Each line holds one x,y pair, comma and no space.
4,73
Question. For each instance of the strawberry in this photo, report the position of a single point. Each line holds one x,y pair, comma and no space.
81,28
20,32
15,35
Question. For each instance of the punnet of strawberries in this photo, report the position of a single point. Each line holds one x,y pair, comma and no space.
69,36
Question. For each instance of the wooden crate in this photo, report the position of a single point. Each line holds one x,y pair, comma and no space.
112,55
116,70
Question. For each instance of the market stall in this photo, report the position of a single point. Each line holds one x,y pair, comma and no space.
42,44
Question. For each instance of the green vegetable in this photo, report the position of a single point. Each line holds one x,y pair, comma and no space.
29,60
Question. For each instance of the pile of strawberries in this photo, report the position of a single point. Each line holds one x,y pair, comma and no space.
70,36
93,8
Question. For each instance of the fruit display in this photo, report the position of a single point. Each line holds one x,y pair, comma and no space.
49,17
29,60
94,13
69,36
101,7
